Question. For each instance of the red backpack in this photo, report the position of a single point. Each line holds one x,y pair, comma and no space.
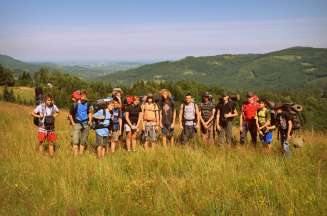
250,110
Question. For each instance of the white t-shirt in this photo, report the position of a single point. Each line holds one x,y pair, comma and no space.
47,111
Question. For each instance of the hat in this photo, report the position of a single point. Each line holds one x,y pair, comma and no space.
206,94
117,90
149,95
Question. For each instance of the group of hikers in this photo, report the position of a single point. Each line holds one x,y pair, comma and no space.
131,119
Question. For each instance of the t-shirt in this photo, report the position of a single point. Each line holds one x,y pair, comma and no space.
133,111
263,116
189,114
47,111
80,111
282,120
206,110
117,114
229,107
167,109
249,110
103,131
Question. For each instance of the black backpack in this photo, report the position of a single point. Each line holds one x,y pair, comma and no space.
49,121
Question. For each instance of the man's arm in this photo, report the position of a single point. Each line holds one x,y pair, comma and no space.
181,116
197,112
218,119
174,119
289,130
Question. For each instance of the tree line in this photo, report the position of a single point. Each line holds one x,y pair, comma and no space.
61,85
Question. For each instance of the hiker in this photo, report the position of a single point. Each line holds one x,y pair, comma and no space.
167,117
264,125
117,93
189,119
116,129
45,114
247,119
103,117
284,125
150,121
226,112
207,112
80,116
133,116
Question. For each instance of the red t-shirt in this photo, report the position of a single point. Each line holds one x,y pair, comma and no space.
249,110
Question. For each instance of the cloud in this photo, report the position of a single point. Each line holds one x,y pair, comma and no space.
160,40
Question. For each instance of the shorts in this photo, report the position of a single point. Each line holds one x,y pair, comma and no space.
150,132
101,140
115,136
46,135
128,128
266,139
80,134
168,132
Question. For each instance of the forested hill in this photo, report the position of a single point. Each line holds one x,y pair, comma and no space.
17,65
289,68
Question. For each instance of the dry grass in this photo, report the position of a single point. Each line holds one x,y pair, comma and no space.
175,181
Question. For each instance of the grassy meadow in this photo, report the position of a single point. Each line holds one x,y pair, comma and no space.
179,180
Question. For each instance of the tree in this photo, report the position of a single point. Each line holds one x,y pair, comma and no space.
6,76
8,95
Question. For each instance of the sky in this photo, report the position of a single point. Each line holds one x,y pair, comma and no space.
142,30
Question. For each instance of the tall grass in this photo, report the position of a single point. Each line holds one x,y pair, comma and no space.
174,181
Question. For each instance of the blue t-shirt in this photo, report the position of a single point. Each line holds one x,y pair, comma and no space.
116,116
103,131
82,112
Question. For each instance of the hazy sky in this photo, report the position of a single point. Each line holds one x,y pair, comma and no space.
42,30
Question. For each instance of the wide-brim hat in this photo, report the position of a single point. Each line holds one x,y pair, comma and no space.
206,94
117,90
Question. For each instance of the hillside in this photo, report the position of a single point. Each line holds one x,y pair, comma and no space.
85,71
17,65
289,68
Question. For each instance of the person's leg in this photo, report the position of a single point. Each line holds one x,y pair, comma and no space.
41,136
76,138
112,146
153,136
285,145
171,137
84,137
243,134
147,137
52,137
204,132
221,136
210,135
128,140
104,146
229,133
134,136
253,132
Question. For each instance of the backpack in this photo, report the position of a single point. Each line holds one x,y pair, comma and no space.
98,123
49,120
294,110
155,108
